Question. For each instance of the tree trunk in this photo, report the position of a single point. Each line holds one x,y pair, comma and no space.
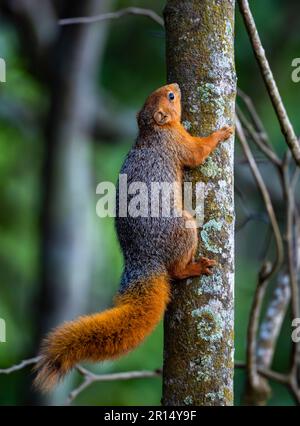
198,351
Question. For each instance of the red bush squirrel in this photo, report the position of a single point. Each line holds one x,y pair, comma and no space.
156,249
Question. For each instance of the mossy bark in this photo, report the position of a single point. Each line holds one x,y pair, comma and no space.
198,352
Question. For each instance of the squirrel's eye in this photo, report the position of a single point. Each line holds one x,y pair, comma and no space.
171,96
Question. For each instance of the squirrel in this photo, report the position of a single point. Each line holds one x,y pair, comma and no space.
156,250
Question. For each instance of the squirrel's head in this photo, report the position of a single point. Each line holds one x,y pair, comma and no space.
161,108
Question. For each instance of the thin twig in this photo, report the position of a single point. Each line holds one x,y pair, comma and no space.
270,374
256,137
265,194
274,375
285,124
254,115
257,387
113,15
284,379
292,255
272,322
89,378
21,365
282,294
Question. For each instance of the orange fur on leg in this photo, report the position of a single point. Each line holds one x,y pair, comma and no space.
104,335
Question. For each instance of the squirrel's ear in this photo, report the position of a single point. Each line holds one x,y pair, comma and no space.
161,117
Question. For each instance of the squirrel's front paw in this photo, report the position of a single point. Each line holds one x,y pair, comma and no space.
224,133
206,265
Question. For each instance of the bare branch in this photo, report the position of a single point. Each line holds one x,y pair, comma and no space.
114,15
265,195
258,389
20,366
269,374
90,378
284,379
256,137
272,322
281,296
291,238
286,126
254,115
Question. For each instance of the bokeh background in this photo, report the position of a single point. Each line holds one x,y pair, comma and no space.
67,119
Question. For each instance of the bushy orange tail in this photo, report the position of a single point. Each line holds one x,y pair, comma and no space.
105,335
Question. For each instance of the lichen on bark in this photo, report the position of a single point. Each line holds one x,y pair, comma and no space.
198,350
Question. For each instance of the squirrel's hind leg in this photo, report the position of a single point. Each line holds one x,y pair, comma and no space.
185,266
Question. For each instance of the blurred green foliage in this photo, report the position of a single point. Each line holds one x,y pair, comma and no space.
133,65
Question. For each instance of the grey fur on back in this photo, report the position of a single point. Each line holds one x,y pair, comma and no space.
151,244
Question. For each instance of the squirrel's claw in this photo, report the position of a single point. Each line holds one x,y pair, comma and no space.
226,132
206,265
